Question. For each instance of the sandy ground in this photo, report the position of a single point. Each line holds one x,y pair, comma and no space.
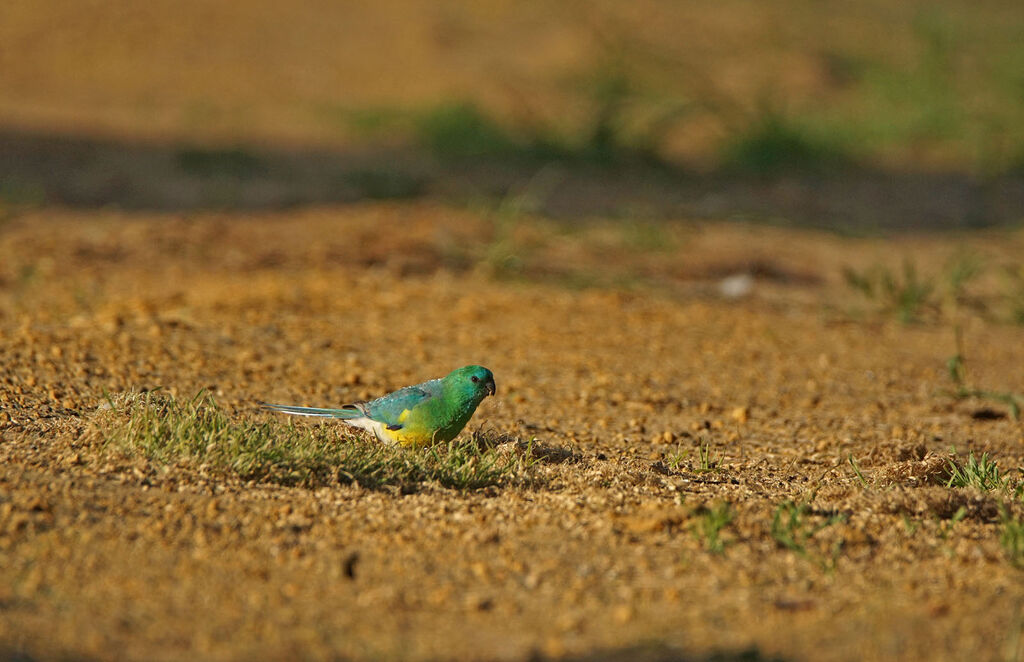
665,374
620,358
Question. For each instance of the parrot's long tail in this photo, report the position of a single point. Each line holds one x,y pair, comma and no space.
348,411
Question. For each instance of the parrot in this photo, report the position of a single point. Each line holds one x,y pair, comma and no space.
414,416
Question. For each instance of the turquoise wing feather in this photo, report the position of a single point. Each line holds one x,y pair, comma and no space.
389,408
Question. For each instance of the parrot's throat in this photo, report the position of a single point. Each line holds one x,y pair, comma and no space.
461,409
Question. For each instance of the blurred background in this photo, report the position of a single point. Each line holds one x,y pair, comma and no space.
860,116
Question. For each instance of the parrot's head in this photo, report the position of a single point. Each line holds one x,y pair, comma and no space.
473,381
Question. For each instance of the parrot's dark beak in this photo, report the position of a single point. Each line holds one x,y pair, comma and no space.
491,388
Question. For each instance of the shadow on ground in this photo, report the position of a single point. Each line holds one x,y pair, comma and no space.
656,653
629,654
12,655
88,172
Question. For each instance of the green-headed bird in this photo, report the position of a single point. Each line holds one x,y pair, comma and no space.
420,415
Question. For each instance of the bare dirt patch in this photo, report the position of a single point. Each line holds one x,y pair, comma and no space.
760,475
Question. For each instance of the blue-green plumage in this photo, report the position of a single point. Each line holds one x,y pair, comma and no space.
420,415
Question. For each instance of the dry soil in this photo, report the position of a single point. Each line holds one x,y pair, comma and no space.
613,348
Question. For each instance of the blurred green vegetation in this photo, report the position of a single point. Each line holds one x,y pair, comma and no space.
950,98
236,162
774,143
463,130
911,114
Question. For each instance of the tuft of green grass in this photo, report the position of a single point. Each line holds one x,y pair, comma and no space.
857,471
610,89
705,459
907,295
960,271
675,458
712,521
461,130
774,143
625,122
981,473
945,527
793,528
196,431
236,163
1011,537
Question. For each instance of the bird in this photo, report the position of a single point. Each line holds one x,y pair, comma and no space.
414,416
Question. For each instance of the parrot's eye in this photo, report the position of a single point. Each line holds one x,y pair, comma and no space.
474,379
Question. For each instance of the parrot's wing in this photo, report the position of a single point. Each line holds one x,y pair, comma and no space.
393,408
